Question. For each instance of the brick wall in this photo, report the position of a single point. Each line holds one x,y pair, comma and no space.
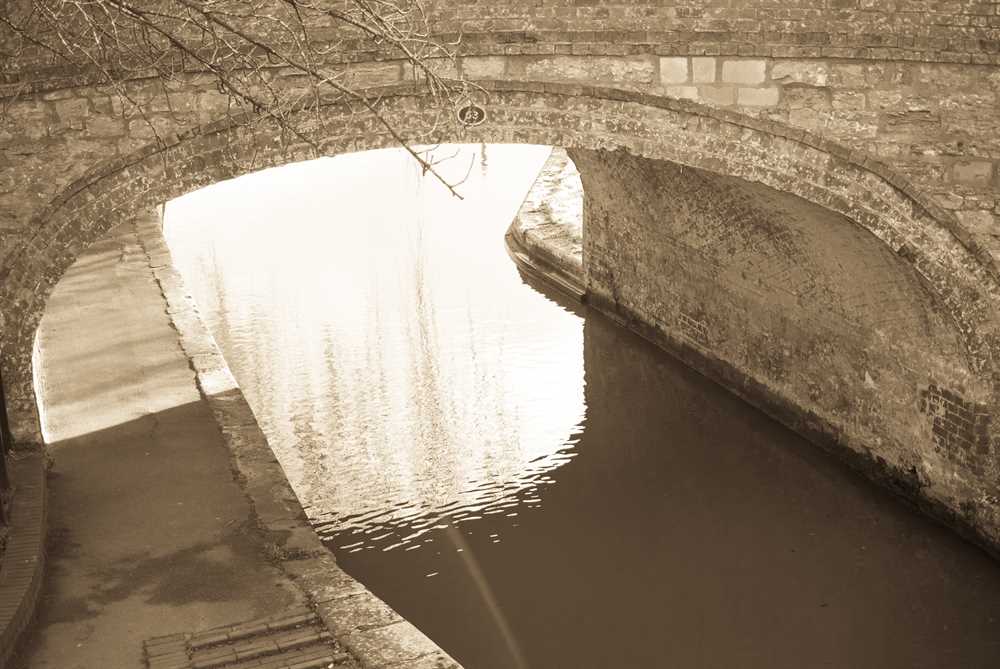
802,313
52,220
883,112
958,31
934,123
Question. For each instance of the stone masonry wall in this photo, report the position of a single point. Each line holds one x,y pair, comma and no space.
960,31
48,221
885,113
934,123
803,314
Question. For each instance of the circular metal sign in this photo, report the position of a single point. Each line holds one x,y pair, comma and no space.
471,114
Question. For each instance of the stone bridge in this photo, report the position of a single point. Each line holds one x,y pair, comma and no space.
800,198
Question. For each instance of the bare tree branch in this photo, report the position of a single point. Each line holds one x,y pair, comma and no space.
251,48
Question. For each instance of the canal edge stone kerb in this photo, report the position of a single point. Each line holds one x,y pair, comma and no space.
375,634
31,272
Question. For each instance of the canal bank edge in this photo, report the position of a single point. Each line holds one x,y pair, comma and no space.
545,243
22,562
544,238
374,633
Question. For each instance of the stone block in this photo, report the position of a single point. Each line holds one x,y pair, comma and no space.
978,221
847,76
27,113
757,97
750,71
703,70
718,95
442,67
673,70
848,100
486,67
884,99
976,172
804,118
806,97
811,72
592,69
106,126
683,92
71,109
853,125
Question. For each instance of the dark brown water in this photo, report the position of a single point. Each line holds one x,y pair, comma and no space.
535,487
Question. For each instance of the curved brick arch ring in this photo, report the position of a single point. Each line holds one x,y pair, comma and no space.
961,276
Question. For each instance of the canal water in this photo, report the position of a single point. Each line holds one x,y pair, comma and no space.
529,484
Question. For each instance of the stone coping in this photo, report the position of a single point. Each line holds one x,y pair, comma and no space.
544,238
375,634
22,565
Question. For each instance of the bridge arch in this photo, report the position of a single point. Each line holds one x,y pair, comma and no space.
959,277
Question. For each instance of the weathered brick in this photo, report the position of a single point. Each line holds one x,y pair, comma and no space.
72,109
814,73
847,75
847,100
798,97
977,172
609,70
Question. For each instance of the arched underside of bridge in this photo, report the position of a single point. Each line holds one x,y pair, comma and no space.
816,284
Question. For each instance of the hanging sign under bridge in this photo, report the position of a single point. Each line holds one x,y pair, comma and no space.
471,114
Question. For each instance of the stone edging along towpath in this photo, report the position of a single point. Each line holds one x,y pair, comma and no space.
22,564
378,636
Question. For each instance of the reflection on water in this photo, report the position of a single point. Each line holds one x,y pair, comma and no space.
427,406
387,346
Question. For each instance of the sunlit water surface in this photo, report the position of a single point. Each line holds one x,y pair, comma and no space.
533,486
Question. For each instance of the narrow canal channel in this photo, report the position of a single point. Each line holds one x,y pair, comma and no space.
529,484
